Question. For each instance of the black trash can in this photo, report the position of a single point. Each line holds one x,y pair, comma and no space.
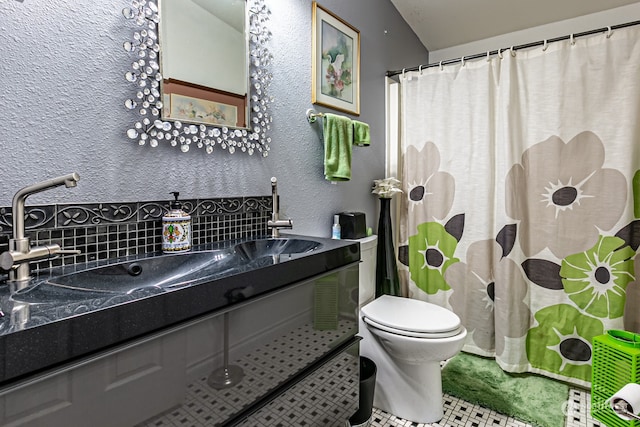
367,388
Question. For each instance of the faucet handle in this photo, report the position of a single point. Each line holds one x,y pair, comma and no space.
11,259
68,252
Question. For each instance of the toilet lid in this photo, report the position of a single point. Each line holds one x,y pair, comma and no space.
411,317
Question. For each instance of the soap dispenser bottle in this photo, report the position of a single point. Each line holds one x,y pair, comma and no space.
176,228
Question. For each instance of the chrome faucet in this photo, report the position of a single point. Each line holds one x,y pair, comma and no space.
275,223
16,259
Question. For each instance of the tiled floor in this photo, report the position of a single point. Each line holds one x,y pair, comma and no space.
205,406
459,413
264,369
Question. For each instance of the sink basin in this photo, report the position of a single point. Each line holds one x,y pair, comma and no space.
254,249
159,272
149,276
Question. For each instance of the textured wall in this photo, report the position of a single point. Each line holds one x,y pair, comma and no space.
61,110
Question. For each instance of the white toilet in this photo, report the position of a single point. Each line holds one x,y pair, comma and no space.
407,339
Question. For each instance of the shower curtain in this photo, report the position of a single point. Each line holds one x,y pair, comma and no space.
521,197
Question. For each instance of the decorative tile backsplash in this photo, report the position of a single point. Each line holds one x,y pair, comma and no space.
111,230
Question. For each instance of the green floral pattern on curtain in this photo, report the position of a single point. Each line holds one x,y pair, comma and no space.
596,280
561,341
431,253
490,290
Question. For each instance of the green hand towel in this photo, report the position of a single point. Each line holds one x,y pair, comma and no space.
338,140
361,134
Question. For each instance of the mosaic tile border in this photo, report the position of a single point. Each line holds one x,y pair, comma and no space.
119,229
79,214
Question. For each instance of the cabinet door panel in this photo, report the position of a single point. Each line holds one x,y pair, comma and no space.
119,390
37,402
142,381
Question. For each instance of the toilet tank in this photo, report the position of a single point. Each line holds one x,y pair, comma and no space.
368,255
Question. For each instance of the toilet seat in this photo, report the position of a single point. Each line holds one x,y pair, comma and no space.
410,317
413,334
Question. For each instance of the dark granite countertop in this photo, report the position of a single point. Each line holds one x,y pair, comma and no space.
49,327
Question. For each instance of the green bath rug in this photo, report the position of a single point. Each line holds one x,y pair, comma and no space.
527,397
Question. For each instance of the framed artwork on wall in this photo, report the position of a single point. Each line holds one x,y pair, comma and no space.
335,62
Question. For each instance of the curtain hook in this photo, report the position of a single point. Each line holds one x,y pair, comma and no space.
573,42
609,32
420,69
499,53
513,52
488,56
545,46
462,61
403,72
441,66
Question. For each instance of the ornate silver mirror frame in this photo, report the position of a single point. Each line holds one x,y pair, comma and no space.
145,76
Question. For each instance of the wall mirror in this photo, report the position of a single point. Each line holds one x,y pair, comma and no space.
181,104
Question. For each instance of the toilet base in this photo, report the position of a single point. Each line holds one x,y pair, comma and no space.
411,392
404,388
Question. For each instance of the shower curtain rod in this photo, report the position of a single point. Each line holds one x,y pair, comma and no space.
522,46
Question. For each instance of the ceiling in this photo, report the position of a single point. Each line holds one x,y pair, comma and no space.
441,24
230,12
